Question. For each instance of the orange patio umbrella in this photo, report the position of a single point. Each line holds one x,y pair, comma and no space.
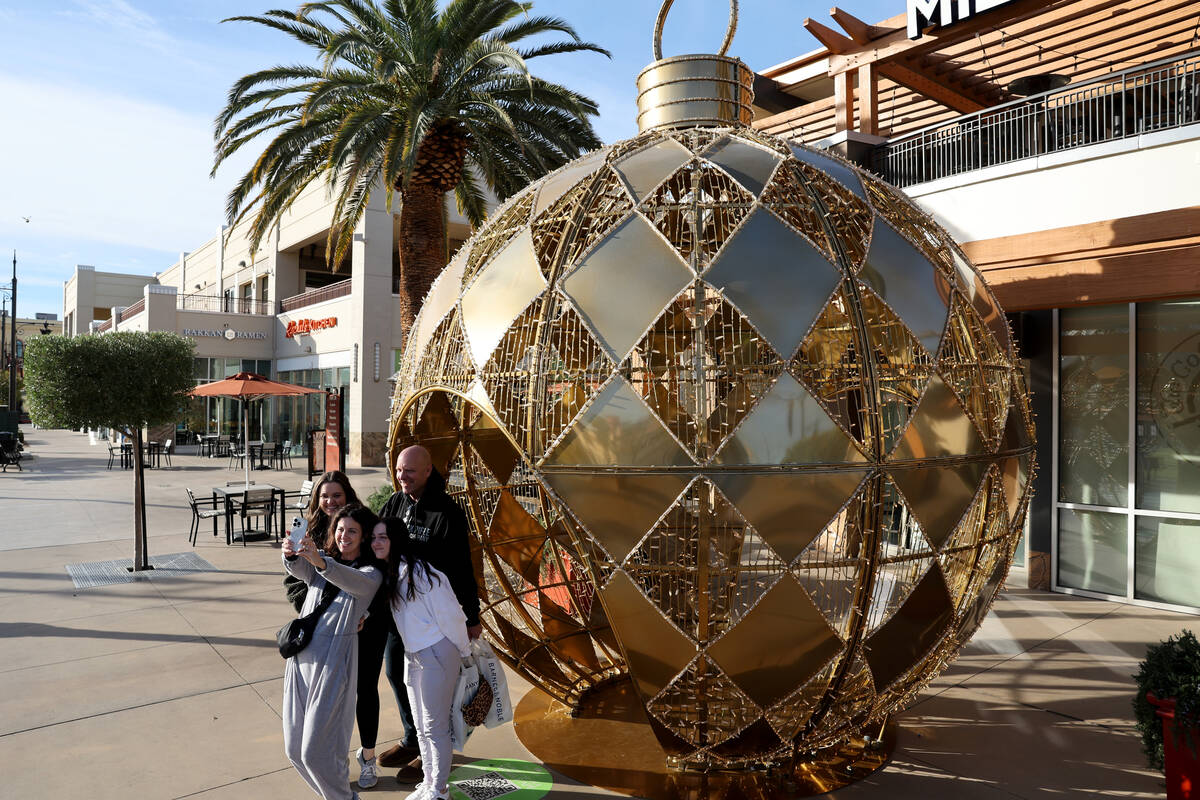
247,386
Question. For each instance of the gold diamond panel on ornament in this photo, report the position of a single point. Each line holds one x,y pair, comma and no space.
574,367
939,427
776,278
617,429
790,510
841,172
503,288
909,283
788,426
778,646
656,651
506,374
647,168
442,298
834,564
497,233
739,368
702,565
559,183
697,209
904,557
618,510
702,706
976,370
787,198
579,219
917,227
939,495
633,255
846,216
750,165
832,362
911,632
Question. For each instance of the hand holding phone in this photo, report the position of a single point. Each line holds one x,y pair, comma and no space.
298,532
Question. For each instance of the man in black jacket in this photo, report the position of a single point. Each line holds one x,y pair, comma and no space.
434,519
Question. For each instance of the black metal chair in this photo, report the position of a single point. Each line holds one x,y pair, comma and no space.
258,503
202,510
114,452
236,455
301,498
10,451
284,454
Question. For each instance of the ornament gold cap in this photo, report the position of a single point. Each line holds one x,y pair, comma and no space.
694,90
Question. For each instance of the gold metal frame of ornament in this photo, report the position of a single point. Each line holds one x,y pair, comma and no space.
662,19
529,620
729,417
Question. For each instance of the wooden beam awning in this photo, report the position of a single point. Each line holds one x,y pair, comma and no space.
905,84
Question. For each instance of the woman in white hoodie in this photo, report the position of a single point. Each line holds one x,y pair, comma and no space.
434,630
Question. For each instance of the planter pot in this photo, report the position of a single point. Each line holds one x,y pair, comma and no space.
1182,762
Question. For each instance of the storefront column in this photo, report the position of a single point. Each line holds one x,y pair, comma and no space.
371,299
1035,342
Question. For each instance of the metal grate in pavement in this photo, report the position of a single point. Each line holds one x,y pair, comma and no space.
106,573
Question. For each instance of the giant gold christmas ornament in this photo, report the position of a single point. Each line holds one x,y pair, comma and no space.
729,416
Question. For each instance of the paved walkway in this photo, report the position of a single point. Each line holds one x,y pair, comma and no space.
170,687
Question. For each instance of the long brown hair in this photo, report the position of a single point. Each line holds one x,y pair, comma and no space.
366,520
319,527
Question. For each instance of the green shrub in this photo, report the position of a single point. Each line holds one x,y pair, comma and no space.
1171,670
379,497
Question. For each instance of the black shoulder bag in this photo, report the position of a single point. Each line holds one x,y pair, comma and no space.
296,635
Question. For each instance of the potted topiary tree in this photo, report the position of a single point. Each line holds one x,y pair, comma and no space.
1167,707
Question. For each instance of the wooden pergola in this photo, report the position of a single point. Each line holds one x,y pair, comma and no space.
885,84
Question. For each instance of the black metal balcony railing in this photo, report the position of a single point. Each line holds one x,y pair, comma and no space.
1149,98
223,305
333,290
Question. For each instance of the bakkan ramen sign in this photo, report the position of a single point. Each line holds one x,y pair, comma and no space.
299,326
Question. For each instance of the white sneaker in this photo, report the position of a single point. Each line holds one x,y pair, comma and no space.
366,776
420,793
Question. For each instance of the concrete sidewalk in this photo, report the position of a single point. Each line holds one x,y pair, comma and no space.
169,687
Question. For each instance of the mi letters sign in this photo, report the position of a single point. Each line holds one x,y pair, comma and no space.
943,13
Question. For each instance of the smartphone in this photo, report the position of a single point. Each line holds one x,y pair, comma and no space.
298,531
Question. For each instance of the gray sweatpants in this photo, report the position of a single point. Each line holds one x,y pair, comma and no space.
431,675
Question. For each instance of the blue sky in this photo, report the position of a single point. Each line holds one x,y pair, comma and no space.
106,135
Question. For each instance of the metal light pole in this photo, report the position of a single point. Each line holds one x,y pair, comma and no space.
13,400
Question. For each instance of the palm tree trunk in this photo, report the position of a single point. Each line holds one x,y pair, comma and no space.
421,248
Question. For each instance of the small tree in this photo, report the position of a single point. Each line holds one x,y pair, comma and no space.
4,388
124,381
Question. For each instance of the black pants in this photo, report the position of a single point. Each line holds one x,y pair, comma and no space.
374,643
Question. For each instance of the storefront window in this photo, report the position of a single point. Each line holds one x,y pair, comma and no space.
1168,406
1094,406
1167,561
1092,551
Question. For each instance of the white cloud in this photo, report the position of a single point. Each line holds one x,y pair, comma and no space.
127,20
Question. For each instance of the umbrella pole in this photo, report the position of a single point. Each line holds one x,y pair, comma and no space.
246,440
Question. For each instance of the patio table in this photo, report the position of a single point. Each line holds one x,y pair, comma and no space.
229,495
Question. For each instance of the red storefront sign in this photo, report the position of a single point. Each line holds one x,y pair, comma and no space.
309,325
333,430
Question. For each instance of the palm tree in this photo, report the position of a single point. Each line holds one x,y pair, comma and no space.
411,99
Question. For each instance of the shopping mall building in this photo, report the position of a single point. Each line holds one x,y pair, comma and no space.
280,312
1058,140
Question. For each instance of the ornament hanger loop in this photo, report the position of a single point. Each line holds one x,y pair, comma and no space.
662,18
